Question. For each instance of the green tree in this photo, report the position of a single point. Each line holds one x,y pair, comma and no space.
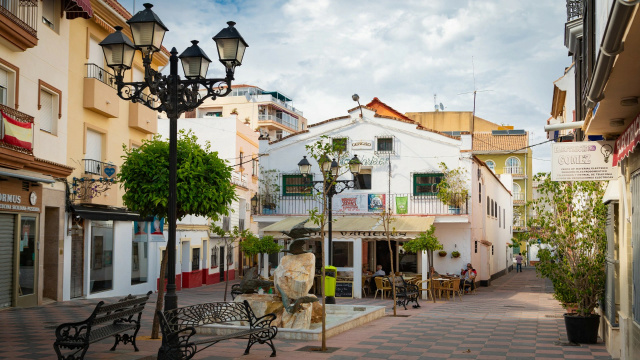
570,225
203,182
203,185
452,190
254,245
426,241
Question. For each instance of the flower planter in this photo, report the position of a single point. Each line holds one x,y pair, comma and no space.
442,253
582,329
455,254
454,210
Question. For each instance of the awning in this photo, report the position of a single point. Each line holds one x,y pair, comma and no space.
97,212
27,175
365,227
78,8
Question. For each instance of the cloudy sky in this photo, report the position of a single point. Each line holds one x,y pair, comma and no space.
320,52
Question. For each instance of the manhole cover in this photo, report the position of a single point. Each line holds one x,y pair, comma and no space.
318,349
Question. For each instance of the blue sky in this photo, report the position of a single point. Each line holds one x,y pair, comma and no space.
320,52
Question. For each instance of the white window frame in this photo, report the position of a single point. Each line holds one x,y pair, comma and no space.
512,165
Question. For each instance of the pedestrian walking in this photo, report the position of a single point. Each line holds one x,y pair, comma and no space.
519,262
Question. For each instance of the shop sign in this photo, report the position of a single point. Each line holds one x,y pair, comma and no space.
361,145
350,203
366,161
582,161
627,141
13,198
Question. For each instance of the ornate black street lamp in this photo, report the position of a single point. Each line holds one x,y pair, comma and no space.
330,182
170,93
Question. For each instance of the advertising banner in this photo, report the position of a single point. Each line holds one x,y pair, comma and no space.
158,226
402,203
582,161
141,231
376,202
351,203
627,141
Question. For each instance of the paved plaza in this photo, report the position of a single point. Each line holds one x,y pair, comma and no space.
515,318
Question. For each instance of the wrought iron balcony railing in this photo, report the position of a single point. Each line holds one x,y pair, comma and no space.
22,12
96,72
358,203
574,9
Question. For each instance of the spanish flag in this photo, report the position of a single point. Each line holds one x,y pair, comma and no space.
17,133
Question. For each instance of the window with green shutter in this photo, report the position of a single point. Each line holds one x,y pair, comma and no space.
426,184
296,185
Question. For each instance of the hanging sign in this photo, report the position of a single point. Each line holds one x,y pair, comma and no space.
582,161
627,141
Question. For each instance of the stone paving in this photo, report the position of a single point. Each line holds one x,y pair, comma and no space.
515,318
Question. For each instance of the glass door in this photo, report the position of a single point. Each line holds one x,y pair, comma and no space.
27,262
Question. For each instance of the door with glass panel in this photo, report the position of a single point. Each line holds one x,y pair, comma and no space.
27,262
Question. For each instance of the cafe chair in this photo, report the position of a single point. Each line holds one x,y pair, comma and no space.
471,287
425,285
439,286
365,285
381,286
453,289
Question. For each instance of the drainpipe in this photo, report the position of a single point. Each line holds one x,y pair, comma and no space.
611,46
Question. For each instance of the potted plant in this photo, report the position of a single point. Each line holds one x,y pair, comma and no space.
442,253
455,254
452,189
570,228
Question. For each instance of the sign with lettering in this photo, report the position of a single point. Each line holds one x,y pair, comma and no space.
352,203
362,145
582,161
627,141
14,198
344,289
366,161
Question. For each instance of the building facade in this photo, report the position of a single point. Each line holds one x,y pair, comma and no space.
104,253
34,91
400,171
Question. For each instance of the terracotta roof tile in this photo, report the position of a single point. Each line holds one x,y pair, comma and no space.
486,141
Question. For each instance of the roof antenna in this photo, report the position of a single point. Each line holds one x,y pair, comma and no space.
475,91
356,98
438,107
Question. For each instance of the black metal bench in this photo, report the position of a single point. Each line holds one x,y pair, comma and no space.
181,341
405,292
105,321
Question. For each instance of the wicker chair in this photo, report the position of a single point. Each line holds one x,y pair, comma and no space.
381,286
453,288
365,285
425,285
471,287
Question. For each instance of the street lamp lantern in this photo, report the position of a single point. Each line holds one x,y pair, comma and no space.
335,169
171,94
195,62
325,163
147,30
118,51
231,46
355,165
305,166
254,201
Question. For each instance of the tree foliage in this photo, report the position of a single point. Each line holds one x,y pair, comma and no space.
203,179
452,190
570,227
253,245
426,241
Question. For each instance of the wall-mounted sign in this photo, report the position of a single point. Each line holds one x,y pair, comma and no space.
366,161
627,141
362,145
582,161
14,198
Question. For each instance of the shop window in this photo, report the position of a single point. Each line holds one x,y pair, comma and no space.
426,184
27,255
343,253
296,185
101,271
363,179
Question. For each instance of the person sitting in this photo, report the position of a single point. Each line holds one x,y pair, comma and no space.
372,282
433,274
468,276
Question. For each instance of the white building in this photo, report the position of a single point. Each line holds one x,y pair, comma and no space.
401,168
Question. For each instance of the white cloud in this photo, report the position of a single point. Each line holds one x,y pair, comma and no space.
320,52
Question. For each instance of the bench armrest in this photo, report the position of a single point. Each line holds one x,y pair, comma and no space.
264,321
73,331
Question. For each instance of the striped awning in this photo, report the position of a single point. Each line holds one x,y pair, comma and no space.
365,227
78,8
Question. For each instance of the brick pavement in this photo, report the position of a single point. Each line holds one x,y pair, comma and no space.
516,318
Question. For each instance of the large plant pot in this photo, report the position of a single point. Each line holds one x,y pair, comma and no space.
582,329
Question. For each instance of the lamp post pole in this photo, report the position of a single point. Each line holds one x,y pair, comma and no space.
330,203
170,94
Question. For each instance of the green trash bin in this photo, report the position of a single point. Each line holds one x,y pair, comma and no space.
330,274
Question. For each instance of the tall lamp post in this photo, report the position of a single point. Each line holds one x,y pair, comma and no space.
330,184
170,93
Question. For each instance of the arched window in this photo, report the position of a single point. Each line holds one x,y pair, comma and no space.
491,165
517,192
512,166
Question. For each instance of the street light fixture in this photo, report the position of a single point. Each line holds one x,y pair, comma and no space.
170,93
330,184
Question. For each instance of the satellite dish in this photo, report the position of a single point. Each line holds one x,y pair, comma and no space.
441,106
247,96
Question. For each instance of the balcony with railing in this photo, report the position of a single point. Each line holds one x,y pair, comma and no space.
574,9
239,179
19,19
99,94
286,120
270,98
518,198
359,204
519,225
16,131
513,170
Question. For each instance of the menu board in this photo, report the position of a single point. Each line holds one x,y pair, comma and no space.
344,289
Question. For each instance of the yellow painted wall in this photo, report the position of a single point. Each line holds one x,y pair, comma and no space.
451,121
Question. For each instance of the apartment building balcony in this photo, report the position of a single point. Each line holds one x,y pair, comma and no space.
142,118
518,198
99,94
285,123
273,99
239,179
356,203
96,185
574,10
519,225
18,23
516,171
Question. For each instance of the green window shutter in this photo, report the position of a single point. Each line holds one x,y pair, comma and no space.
425,184
293,185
